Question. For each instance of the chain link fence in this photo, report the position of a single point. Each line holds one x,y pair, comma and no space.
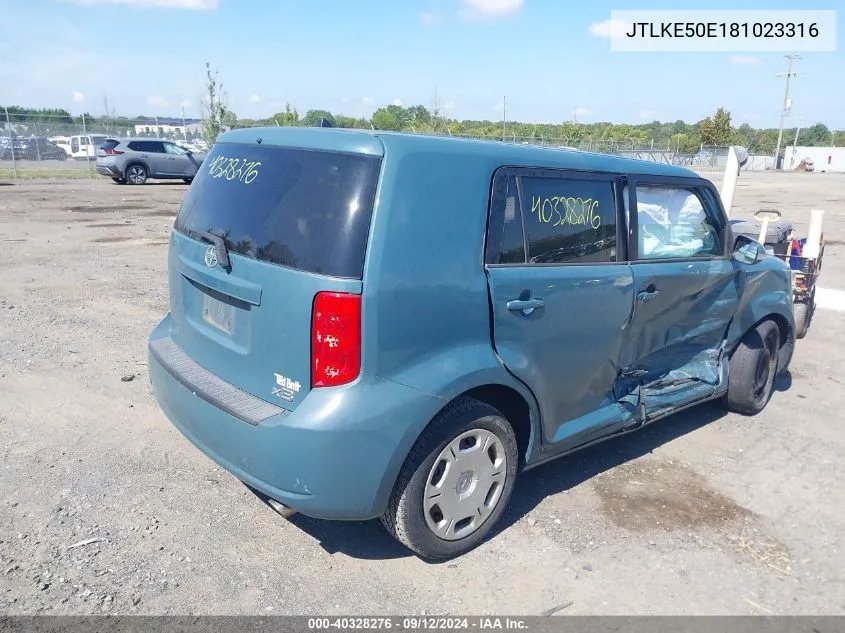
65,147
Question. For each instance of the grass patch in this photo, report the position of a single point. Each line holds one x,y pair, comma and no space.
46,174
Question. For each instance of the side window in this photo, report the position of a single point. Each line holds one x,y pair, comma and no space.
135,146
156,147
74,144
673,222
505,242
175,150
569,220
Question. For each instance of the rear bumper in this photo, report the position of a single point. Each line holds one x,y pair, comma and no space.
109,170
335,457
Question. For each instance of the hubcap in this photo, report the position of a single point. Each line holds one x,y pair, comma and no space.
465,484
135,174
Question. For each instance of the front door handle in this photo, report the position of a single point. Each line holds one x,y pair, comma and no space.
526,306
648,294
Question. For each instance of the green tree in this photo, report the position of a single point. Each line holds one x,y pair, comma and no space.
312,118
352,122
816,135
214,106
287,118
420,117
716,130
392,117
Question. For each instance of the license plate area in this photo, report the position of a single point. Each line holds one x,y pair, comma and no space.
218,313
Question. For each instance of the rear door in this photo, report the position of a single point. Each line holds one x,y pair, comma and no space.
153,153
295,223
561,294
687,289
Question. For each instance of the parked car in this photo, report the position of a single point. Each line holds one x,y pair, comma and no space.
80,146
32,148
368,324
134,160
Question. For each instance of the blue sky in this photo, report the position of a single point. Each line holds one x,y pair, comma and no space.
352,57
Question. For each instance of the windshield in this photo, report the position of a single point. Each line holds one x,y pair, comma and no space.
303,209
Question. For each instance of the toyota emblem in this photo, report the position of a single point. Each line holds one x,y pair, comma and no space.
211,257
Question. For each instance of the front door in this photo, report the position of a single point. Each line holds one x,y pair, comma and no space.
178,162
686,290
561,294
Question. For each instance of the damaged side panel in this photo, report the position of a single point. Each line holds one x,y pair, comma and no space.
676,342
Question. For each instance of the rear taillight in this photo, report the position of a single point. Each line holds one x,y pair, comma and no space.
113,152
335,339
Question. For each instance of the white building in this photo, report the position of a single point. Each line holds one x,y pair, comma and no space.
823,158
166,127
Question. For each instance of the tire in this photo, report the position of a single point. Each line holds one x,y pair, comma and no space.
802,318
136,174
804,315
468,483
752,369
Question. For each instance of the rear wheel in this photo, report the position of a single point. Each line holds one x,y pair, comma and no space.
752,369
136,174
455,483
804,315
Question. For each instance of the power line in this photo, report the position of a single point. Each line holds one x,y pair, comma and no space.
786,104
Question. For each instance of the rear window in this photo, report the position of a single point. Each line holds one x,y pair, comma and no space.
110,144
303,209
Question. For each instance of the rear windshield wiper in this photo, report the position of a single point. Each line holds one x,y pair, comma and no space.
219,245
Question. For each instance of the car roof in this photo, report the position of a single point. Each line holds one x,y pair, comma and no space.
128,139
375,142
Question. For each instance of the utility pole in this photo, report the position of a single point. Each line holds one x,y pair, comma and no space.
786,104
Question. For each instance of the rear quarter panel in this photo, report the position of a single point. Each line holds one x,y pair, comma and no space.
426,315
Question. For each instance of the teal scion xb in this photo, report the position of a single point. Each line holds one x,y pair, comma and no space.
368,324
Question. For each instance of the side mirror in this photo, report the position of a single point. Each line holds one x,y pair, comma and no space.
748,251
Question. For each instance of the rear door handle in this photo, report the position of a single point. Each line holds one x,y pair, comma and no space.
525,305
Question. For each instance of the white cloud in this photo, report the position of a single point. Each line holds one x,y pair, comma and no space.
254,98
397,102
344,99
490,8
745,60
583,112
78,96
190,5
647,115
157,101
368,101
609,28
431,18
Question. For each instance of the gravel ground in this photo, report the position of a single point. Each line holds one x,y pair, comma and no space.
105,507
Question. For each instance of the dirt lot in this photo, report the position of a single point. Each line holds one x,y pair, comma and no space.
105,507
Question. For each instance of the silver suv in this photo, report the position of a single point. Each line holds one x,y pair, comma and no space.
134,160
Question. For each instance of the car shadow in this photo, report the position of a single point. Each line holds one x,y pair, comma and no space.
157,183
368,539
